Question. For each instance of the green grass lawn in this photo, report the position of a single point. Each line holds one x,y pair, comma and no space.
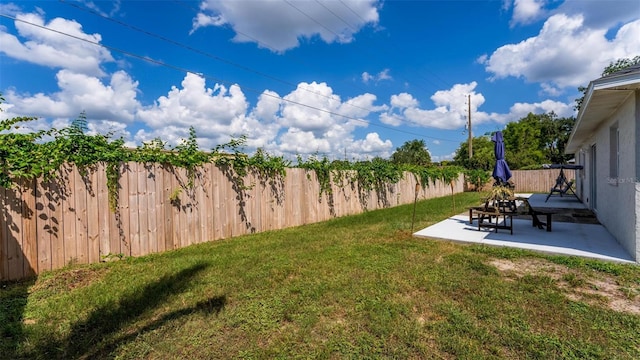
354,287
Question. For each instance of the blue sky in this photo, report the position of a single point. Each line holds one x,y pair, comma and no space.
354,78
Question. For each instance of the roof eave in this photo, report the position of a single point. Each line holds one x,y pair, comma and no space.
622,82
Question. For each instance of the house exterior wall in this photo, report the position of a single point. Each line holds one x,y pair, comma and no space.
617,199
636,254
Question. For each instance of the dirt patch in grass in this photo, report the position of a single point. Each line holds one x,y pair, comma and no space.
69,280
592,288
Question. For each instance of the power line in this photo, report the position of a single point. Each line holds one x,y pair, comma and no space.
310,17
185,70
246,68
404,120
209,55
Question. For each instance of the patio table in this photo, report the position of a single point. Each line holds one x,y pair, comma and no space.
506,209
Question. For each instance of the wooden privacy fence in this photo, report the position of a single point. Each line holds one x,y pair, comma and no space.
538,180
46,225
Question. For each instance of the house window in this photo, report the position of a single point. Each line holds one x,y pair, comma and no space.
614,154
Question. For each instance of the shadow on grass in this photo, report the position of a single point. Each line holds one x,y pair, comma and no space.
105,328
13,299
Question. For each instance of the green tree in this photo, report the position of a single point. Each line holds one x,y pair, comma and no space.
537,139
529,142
482,159
613,67
555,134
412,152
80,123
523,142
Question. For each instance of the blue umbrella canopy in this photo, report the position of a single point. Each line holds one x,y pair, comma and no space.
501,171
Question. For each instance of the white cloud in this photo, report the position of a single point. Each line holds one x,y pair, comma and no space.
403,100
279,25
450,110
319,114
601,14
282,125
268,106
520,110
527,11
370,146
565,54
383,75
327,127
10,9
115,101
360,106
314,107
392,119
116,129
52,49
296,141
217,114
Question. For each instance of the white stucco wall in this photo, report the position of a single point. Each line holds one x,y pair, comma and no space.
618,200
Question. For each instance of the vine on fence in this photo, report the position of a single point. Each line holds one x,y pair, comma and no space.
33,154
374,174
477,177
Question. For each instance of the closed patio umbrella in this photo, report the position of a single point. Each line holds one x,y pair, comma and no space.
501,172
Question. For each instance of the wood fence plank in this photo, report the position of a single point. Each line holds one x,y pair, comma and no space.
255,203
167,209
201,210
134,209
305,204
15,257
124,210
143,207
153,190
93,223
82,242
116,234
187,214
68,217
286,212
203,203
268,197
57,189
226,206
243,213
29,223
45,225
218,201
184,230
4,263
158,180
208,203
102,202
176,212
193,215
233,210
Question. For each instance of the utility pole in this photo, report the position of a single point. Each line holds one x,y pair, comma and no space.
469,125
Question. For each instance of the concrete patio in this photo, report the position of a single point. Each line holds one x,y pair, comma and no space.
575,232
